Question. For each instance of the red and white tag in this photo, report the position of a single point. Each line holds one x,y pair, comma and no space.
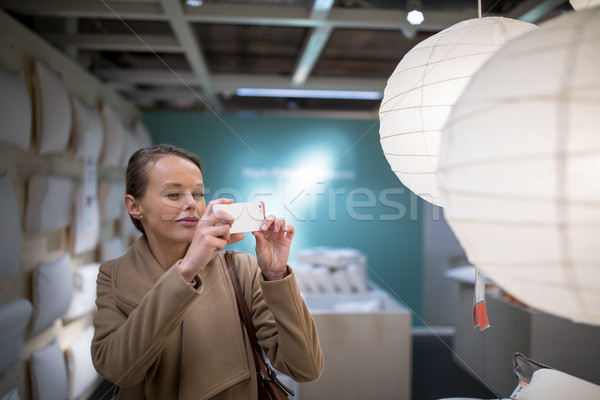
516,395
480,318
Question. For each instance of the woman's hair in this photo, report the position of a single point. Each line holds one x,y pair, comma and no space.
136,176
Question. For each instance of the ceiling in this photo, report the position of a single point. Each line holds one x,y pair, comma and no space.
164,54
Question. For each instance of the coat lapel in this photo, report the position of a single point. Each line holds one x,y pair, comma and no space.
212,336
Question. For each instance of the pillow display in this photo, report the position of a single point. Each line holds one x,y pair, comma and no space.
110,199
131,145
52,111
111,249
330,269
86,221
340,281
52,292
10,229
14,317
113,144
84,291
550,384
15,109
540,382
304,278
87,130
48,373
142,134
49,200
81,372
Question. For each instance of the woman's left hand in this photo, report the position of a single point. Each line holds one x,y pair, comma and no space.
273,243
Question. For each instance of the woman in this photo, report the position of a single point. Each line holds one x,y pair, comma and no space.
167,325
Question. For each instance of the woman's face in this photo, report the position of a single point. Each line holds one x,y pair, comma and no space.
174,200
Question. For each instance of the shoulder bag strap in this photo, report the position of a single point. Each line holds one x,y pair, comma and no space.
245,315
262,370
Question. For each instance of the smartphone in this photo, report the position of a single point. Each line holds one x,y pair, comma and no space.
248,217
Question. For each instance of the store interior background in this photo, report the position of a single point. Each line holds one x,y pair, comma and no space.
343,212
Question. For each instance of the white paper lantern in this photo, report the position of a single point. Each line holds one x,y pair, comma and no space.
579,5
422,90
520,167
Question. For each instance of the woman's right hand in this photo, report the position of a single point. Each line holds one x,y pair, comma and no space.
211,236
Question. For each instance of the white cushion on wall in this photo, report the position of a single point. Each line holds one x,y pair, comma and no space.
142,134
48,373
14,317
550,384
10,229
15,109
111,249
84,291
52,110
52,292
87,130
113,144
110,199
49,201
82,373
132,144
86,222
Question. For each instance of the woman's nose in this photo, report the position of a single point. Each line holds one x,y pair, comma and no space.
188,202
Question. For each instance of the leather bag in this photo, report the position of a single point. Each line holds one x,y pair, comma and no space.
269,387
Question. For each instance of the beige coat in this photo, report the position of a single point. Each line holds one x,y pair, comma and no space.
157,337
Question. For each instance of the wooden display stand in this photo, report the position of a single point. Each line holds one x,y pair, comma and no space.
367,354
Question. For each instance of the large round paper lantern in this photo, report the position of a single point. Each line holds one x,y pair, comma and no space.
520,167
579,5
422,90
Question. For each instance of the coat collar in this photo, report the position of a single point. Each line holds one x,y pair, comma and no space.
138,274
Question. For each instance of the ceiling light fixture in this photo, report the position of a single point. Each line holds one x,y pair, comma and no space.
415,17
307,93
193,3
321,5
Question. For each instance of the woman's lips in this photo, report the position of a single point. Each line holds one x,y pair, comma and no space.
188,221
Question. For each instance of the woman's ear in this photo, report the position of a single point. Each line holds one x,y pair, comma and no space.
133,207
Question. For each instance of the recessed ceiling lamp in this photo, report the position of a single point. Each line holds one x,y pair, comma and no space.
193,3
306,93
323,5
415,17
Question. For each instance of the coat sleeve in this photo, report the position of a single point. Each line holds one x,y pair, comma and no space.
125,346
285,328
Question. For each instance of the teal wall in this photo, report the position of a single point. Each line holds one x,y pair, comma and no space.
353,199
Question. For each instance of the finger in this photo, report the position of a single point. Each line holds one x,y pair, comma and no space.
235,237
220,231
210,205
224,217
260,242
289,231
279,224
267,223
211,216
216,243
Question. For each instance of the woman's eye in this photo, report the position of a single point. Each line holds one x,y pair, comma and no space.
199,195
173,195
